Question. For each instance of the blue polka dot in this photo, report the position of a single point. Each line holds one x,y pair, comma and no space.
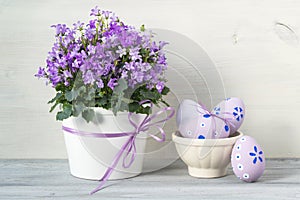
206,116
201,137
226,128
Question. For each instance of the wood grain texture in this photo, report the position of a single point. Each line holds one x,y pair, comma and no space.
50,179
254,44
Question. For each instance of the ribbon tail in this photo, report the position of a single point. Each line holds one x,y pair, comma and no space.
112,167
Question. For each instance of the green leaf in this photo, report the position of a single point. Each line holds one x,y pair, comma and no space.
67,108
60,87
57,99
117,103
101,101
124,106
70,96
57,96
133,107
147,110
74,93
88,114
65,113
152,95
165,91
61,116
122,85
90,94
144,110
78,107
142,28
164,102
54,106
116,100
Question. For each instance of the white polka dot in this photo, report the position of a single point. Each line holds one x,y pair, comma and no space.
243,139
238,156
239,147
240,167
202,125
246,176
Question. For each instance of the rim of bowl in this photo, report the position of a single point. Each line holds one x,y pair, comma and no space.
206,142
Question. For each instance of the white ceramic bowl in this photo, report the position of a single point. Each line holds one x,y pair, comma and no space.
208,158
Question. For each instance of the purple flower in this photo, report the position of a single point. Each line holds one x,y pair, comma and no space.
161,59
67,74
95,11
88,77
55,79
121,51
90,34
134,53
114,18
100,83
145,67
112,83
162,44
138,76
129,66
92,24
106,13
160,86
41,73
60,28
78,25
124,74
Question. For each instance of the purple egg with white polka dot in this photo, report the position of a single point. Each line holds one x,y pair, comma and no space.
247,159
233,109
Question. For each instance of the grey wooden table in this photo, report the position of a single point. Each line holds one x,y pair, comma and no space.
50,179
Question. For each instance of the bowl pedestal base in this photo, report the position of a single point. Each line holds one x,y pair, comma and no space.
207,173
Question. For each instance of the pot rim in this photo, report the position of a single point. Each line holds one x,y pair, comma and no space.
206,142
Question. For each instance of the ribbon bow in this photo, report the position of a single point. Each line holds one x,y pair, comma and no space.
226,120
129,146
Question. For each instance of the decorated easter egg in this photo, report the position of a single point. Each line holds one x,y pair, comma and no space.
233,110
220,128
194,121
247,159
198,127
187,110
204,127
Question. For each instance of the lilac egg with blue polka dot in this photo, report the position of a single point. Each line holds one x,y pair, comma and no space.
220,127
233,109
248,159
198,127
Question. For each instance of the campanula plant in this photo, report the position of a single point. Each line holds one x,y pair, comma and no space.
104,63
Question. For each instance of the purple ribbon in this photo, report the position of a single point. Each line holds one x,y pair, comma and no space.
129,145
206,111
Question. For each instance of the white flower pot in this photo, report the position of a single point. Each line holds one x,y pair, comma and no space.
90,157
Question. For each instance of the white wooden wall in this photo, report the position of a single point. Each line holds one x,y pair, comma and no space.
253,43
